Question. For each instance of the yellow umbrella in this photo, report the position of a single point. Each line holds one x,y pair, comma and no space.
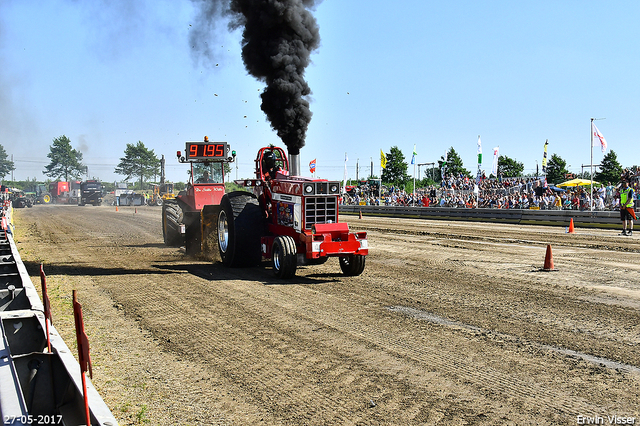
577,182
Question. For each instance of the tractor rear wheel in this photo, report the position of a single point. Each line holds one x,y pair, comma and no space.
240,226
171,221
284,257
352,265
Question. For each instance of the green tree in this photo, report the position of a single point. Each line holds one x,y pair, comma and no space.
556,169
396,171
610,169
453,164
6,166
139,161
509,167
65,161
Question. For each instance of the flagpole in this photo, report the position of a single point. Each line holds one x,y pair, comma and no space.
478,173
414,184
591,169
591,165
344,186
383,165
414,175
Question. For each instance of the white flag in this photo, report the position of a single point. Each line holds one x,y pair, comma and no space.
598,135
494,167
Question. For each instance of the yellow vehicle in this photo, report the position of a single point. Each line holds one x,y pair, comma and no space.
161,193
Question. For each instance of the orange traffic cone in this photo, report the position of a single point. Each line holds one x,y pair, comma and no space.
360,214
548,260
136,211
116,208
571,230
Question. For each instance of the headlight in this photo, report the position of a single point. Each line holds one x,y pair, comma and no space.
308,189
333,188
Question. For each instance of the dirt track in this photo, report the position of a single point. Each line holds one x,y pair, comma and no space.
451,323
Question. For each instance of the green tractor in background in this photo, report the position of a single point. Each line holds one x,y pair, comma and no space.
39,193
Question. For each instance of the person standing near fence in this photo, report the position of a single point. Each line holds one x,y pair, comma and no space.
627,213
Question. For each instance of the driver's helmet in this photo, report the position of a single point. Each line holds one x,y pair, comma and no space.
268,160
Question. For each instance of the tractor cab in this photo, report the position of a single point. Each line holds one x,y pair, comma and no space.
206,177
270,161
166,188
189,218
205,186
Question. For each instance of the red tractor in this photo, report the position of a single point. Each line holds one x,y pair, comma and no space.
190,218
289,219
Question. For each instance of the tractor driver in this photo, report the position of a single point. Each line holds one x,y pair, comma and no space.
204,178
269,166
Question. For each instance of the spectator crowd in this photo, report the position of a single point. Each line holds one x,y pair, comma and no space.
507,193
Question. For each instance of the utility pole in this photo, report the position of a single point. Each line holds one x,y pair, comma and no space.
162,177
357,169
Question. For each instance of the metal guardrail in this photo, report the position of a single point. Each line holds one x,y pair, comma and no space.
38,384
587,219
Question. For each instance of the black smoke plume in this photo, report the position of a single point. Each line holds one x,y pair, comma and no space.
277,40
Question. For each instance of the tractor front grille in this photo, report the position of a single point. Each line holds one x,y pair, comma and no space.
320,210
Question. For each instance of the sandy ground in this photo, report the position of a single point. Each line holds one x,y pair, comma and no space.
450,324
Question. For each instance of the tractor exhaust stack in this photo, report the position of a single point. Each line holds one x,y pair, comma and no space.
294,164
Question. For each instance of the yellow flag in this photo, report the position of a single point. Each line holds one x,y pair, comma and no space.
383,160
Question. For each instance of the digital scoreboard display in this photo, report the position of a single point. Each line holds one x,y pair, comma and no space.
206,150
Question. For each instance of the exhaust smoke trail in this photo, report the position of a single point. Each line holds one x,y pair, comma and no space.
277,41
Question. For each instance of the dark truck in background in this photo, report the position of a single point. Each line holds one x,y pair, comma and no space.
90,193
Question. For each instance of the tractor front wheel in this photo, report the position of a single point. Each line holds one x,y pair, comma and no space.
284,257
240,226
352,265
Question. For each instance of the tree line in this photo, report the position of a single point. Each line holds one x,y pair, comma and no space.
66,162
142,162
395,173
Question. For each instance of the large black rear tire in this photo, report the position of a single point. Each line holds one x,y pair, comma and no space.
352,265
172,218
284,257
240,226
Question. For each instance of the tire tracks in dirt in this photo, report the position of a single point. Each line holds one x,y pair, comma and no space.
323,349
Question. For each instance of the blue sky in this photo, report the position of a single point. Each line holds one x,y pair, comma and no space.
433,74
